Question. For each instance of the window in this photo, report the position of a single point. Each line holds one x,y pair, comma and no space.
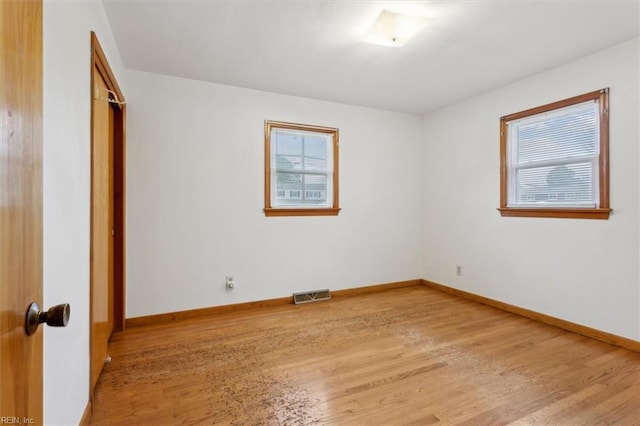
301,170
554,159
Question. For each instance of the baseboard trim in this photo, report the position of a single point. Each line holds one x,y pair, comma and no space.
359,291
203,312
217,310
593,333
86,415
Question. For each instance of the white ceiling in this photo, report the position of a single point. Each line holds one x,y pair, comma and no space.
313,49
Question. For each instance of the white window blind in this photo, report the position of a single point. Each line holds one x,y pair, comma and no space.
553,157
301,169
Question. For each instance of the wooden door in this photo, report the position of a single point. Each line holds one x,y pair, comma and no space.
102,227
20,208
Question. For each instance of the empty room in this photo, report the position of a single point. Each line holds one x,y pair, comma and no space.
320,212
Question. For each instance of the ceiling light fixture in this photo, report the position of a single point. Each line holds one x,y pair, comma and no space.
394,29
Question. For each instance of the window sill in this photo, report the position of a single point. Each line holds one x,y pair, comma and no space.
566,213
301,212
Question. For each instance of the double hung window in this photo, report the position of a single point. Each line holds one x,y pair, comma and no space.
554,159
301,170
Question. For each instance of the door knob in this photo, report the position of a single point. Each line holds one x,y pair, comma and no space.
56,316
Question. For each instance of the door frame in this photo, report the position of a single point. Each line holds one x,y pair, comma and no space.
99,62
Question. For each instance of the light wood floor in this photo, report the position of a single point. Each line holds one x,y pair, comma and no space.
405,356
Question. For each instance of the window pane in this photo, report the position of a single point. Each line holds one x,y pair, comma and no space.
301,189
315,153
287,143
301,151
564,134
288,151
564,184
315,189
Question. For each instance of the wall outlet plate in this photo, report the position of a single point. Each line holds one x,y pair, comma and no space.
229,282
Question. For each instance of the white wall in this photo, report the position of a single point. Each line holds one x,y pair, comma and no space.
584,271
66,122
195,193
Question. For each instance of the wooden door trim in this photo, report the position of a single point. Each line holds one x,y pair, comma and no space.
99,62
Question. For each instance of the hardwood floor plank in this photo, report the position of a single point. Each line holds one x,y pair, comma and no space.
409,355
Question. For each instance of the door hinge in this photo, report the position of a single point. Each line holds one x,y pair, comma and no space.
113,232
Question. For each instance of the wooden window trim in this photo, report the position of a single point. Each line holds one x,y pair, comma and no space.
298,211
603,210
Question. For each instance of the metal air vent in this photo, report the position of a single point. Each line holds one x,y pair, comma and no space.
311,296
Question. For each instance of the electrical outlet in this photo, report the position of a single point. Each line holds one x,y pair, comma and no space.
459,270
229,282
